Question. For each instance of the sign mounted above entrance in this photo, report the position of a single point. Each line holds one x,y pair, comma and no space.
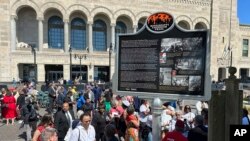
163,60
160,22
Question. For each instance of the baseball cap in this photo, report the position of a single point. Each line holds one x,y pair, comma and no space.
125,102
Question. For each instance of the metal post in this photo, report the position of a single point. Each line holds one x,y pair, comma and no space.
231,58
157,109
80,57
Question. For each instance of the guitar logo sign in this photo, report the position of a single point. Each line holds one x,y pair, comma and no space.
160,22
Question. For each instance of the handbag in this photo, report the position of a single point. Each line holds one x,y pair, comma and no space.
5,105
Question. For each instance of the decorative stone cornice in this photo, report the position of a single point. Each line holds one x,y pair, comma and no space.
193,2
244,27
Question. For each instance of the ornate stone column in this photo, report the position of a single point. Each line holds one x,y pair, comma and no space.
134,28
66,72
112,40
40,34
66,35
91,73
40,73
90,36
13,32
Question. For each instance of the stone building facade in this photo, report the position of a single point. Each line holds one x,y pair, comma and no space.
53,27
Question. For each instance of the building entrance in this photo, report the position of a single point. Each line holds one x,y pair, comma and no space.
101,73
78,71
27,72
53,72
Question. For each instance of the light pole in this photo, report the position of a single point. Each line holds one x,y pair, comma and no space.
110,53
33,51
70,62
80,57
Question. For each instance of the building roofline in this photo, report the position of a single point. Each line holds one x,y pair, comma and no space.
245,25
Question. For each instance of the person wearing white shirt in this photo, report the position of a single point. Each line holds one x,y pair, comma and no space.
84,131
199,106
144,111
188,116
165,119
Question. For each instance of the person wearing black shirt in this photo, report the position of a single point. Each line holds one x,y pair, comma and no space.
52,97
99,122
199,132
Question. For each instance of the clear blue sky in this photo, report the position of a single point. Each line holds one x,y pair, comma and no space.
244,11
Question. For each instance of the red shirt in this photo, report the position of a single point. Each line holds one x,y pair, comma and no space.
131,117
119,110
41,128
174,136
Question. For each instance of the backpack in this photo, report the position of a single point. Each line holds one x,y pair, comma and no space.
80,102
75,123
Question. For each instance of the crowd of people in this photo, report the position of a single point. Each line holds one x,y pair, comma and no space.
94,113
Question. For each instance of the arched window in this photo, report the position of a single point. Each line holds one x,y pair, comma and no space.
200,25
78,34
55,32
139,26
100,35
184,25
119,28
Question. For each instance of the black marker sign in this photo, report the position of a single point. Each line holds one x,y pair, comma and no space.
163,59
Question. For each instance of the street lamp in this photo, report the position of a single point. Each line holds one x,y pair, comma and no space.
80,57
70,62
110,53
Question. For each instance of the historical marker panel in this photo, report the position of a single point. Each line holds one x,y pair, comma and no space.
168,61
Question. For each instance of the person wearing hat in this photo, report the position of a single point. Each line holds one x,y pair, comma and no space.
177,134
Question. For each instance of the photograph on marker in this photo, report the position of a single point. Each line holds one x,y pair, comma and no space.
191,44
180,80
188,64
194,83
163,58
165,76
171,45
